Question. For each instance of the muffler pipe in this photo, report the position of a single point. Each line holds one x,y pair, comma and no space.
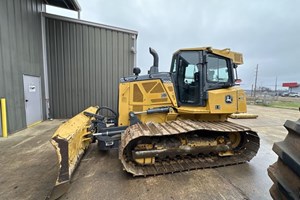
155,57
154,68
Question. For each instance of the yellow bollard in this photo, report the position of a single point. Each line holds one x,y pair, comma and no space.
3,117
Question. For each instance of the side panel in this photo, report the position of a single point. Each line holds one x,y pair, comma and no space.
226,101
148,93
222,101
142,95
242,101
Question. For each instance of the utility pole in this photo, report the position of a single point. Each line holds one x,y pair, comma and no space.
276,88
256,72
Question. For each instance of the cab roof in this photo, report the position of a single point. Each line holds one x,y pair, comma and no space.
236,57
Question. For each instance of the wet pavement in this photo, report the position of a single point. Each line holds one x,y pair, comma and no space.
28,168
28,162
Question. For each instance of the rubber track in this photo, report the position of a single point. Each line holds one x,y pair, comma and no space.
247,152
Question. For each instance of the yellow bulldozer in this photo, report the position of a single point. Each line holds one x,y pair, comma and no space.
166,121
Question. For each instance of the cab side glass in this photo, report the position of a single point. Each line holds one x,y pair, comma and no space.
217,69
174,65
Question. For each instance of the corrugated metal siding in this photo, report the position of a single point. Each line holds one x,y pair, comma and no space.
85,63
20,53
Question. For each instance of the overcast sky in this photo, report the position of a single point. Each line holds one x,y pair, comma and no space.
266,32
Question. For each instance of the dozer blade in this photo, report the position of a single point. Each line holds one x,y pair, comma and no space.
70,142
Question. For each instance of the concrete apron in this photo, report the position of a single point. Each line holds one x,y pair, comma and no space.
28,168
28,162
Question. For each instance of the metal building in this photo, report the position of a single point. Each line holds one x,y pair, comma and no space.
58,64
85,62
20,54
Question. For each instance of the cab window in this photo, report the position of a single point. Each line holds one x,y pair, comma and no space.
217,69
188,77
174,64
190,71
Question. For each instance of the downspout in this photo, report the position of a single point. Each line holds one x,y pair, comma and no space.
78,14
134,50
45,67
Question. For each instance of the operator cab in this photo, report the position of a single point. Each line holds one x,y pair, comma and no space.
194,72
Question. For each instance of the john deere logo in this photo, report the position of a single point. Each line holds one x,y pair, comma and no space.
228,99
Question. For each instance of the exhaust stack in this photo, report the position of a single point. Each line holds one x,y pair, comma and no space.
154,68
